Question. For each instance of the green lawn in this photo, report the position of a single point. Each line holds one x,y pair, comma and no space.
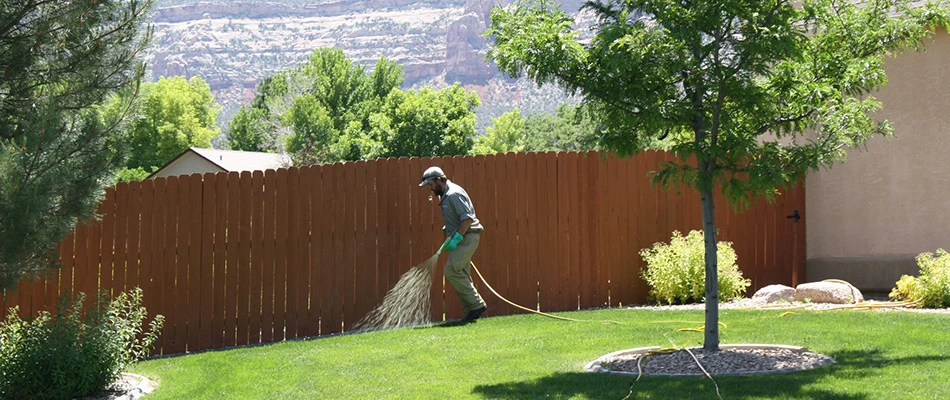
880,355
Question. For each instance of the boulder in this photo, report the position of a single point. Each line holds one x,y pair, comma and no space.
774,294
828,292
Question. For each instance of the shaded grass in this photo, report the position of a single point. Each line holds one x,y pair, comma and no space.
880,355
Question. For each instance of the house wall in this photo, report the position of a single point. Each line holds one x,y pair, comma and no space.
869,217
189,163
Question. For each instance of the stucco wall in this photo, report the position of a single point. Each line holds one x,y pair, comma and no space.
891,202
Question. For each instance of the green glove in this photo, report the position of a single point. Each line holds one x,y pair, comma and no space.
453,241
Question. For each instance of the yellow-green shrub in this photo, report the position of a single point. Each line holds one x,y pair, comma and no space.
932,288
676,272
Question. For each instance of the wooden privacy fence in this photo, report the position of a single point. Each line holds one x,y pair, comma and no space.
234,259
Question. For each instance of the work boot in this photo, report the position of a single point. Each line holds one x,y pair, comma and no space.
474,314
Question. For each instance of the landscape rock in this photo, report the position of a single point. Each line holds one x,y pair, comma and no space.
828,292
774,294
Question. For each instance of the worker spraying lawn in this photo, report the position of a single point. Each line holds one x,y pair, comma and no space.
407,303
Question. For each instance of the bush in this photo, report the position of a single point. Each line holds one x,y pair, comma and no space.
73,354
676,272
932,288
133,174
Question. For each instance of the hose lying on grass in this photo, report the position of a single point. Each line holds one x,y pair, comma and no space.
535,311
669,351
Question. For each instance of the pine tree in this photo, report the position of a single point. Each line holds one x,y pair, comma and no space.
59,61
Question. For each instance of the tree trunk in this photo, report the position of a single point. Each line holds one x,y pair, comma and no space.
711,339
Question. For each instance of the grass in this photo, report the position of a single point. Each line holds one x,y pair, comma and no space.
880,355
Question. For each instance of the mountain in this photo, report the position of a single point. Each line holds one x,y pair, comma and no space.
234,44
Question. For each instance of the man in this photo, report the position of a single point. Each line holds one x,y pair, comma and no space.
461,231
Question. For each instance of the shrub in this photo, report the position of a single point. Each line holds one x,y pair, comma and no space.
932,288
73,354
676,272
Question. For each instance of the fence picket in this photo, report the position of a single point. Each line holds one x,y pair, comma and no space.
231,269
317,225
169,265
302,235
135,257
245,269
384,226
267,269
348,238
154,208
183,262
334,291
548,238
205,291
218,285
107,209
490,249
256,272
292,254
364,272
122,238
196,242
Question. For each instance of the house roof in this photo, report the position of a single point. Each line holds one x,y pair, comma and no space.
233,160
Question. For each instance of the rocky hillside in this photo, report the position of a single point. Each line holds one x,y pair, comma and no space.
234,44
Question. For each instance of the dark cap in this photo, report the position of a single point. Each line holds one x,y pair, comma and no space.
431,174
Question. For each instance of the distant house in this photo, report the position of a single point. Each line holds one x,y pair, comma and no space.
201,161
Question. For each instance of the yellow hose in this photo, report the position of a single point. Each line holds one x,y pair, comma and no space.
857,306
530,310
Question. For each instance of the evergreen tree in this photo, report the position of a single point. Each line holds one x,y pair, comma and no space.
59,61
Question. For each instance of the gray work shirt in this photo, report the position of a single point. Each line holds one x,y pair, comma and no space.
457,207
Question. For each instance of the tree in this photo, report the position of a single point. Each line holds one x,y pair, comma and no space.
569,129
59,61
506,134
331,109
337,83
257,127
314,134
756,93
248,131
172,115
426,122
284,110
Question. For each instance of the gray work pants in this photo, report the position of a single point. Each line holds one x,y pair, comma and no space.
458,271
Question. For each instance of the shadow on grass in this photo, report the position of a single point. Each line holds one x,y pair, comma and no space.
453,323
799,385
868,362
